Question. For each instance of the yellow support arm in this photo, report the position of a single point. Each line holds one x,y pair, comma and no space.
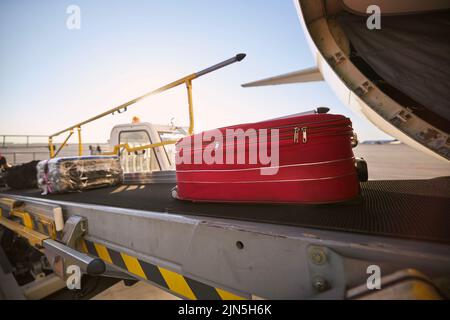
63,144
131,149
35,238
191,107
51,147
80,144
187,80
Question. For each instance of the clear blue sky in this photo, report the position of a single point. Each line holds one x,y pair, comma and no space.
52,77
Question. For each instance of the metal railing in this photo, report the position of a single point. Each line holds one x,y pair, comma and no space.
25,140
20,154
187,80
14,158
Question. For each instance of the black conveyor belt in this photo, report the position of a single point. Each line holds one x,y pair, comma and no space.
413,209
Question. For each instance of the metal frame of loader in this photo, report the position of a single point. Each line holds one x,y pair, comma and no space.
207,258
210,258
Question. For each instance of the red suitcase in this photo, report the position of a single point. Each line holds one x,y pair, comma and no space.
315,162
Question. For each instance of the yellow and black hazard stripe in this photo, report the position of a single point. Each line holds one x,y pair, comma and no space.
172,281
37,223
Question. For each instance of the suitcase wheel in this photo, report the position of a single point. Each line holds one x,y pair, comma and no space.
361,170
174,192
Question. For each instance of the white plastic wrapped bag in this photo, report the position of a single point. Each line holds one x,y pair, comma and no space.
69,174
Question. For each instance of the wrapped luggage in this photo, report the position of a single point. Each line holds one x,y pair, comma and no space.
69,174
21,176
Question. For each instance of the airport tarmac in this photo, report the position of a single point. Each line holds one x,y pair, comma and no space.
400,162
385,161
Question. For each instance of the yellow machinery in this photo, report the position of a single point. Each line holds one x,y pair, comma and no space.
123,107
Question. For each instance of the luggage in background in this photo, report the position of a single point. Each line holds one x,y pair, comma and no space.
69,174
22,176
316,164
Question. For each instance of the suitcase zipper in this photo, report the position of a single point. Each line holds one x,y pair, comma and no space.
338,123
296,134
304,134
305,138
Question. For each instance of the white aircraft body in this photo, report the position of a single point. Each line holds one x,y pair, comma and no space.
355,77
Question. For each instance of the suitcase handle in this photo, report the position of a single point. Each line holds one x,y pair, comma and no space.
237,58
321,110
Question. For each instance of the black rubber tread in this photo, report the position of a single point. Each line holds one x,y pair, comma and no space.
413,209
